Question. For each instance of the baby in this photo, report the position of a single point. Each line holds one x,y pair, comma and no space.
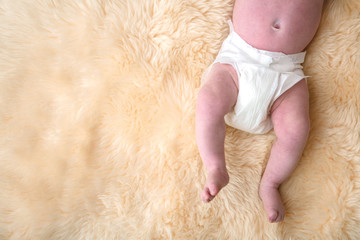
255,84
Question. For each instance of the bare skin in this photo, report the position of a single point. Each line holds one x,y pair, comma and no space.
285,26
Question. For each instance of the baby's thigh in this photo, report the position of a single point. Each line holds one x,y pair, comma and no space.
219,88
296,97
219,72
291,110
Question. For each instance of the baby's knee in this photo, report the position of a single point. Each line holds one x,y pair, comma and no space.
294,128
210,102
301,128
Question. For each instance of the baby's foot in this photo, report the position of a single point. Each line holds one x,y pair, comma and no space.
272,202
217,179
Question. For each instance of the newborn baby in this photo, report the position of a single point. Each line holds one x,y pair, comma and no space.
255,84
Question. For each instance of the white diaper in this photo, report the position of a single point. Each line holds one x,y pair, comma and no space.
263,77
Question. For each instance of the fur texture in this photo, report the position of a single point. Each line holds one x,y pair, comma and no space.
97,109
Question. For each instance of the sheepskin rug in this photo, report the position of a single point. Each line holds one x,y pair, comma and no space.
97,126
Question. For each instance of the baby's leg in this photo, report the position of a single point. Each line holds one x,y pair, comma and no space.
290,116
216,98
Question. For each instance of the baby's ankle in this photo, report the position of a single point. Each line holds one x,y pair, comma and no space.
216,169
269,182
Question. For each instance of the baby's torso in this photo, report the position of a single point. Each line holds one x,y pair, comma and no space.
277,25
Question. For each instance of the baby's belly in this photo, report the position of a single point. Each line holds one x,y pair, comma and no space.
277,25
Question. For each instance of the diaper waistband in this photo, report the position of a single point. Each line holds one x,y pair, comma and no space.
272,56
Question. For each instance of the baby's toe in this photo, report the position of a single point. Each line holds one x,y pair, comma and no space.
274,216
206,196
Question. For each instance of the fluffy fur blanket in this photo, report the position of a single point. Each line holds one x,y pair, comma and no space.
97,140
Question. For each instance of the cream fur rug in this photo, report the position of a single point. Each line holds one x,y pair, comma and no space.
97,107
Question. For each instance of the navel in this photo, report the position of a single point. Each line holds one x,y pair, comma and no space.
276,25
